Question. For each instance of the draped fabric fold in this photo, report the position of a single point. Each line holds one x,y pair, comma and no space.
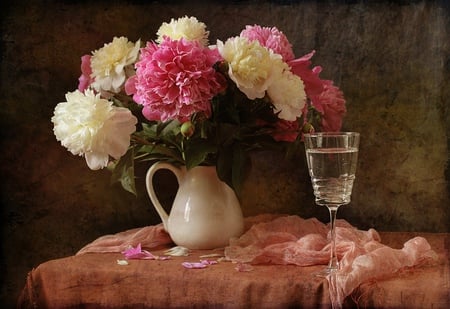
281,239
149,237
303,242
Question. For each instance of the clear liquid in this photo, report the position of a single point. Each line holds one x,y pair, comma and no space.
332,172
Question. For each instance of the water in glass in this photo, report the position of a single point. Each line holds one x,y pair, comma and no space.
332,172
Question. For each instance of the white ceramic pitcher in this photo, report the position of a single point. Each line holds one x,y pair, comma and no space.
205,213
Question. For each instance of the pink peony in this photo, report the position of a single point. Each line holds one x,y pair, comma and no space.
286,131
310,77
271,38
175,79
85,79
331,105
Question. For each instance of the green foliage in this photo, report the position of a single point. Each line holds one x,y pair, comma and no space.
236,127
124,172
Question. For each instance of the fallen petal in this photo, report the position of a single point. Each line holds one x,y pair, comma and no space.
194,265
201,264
208,262
122,262
139,254
177,251
149,255
243,267
211,255
131,251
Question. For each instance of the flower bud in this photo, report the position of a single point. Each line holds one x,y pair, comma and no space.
187,129
111,165
308,128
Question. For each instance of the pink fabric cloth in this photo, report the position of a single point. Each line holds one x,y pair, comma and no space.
276,239
148,237
362,256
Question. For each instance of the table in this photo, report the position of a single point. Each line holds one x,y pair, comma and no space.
95,280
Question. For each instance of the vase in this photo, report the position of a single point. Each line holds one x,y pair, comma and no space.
205,213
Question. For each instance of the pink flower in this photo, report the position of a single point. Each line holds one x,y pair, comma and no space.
85,79
310,77
175,79
331,105
271,38
286,131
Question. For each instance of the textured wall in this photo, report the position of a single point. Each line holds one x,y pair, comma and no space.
391,60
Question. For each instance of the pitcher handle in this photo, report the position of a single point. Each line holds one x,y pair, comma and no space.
151,191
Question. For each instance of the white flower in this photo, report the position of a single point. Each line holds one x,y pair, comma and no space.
251,66
113,63
185,27
288,95
91,126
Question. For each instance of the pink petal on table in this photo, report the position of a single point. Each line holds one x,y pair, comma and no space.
197,265
130,251
208,262
242,267
138,253
194,265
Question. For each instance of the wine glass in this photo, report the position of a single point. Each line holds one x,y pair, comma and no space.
332,159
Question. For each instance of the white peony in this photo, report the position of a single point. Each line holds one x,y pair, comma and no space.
91,126
185,27
251,66
113,63
287,94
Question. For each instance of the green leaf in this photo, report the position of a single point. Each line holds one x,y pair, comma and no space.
227,133
238,168
233,164
124,172
224,165
127,181
160,150
196,152
171,128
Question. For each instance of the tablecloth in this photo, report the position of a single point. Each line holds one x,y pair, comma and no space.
96,280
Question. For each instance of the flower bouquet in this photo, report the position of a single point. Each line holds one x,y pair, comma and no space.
181,100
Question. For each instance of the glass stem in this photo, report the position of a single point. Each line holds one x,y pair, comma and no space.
333,264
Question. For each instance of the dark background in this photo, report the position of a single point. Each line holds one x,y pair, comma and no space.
391,59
